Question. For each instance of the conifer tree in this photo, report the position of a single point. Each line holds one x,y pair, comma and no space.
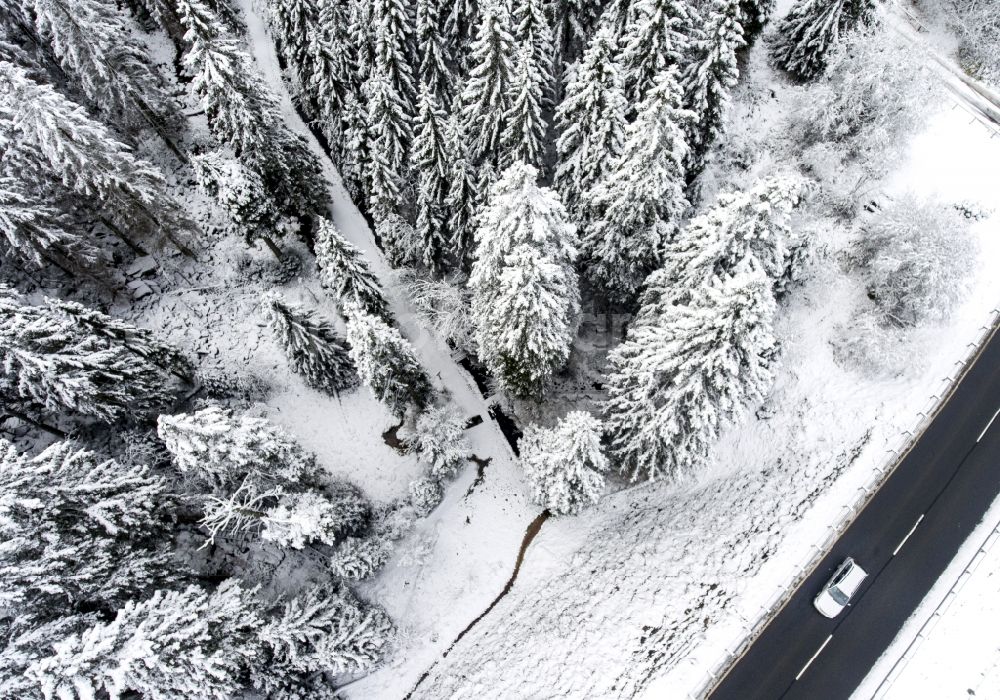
314,349
812,27
533,34
386,362
463,195
389,132
460,29
91,39
333,84
565,465
486,98
188,643
218,448
345,273
592,119
47,361
655,39
708,79
292,23
525,302
686,370
524,128
54,134
79,532
37,232
756,14
432,162
439,440
641,197
435,52
139,341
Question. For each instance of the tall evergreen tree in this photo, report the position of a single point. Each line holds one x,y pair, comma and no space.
756,15
390,132
435,52
641,197
463,195
486,98
574,22
525,303
315,350
678,377
386,362
344,272
533,34
522,139
47,361
708,79
592,120
655,39
432,162
333,85
812,27
460,29
565,465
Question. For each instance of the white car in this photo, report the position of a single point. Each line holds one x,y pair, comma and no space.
838,590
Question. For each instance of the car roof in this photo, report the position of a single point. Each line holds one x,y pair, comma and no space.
855,575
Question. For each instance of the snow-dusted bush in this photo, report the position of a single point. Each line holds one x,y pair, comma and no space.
805,36
876,90
978,25
443,306
438,437
328,630
565,465
315,516
916,257
218,447
425,494
867,345
358,558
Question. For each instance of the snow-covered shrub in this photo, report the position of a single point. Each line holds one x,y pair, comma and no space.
565,465
978,25
916,258
425,494
218,447
876,90
869,346
328,630
805,36
222,383
176,644
394,520
438,437
315,516
443,306
358,558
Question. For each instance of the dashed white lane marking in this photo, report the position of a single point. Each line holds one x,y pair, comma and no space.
813,657
903,541
988,425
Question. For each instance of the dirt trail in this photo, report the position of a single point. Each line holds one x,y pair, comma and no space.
529,535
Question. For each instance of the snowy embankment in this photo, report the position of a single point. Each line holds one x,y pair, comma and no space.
950,648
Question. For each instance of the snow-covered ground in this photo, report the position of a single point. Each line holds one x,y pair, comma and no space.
950,648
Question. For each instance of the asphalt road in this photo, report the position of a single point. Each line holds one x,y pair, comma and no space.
950,476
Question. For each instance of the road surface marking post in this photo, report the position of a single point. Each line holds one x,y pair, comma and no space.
988,425
813,657
903,541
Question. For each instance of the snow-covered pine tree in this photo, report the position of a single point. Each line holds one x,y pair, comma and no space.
438,438
324,630
55,135
574,22
463,195
752,224
565,465
37,232
708,79
432,162
216,447
139,341
525,299
524,128
533,34
243,195
655,39
292,24
460,29
48,361
359,558
486,96
310,516
392,26
80,533
314,348
678,377
756,14
812,27
592,120
435,52
177,644
244,113
641,196
389,132
386,362
344,272
92,41
333,85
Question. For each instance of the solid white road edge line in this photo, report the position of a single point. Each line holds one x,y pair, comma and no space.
813,657
988,425
903,541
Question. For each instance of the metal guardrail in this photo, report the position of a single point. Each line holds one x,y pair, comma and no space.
895,452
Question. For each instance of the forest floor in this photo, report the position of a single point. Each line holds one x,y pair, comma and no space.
642,591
